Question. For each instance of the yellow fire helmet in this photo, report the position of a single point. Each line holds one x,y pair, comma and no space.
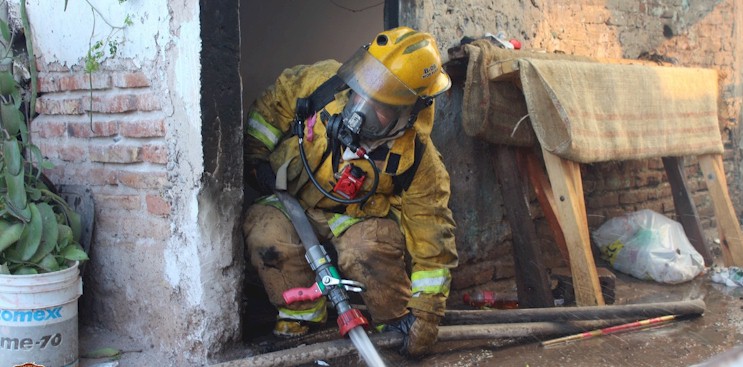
399,66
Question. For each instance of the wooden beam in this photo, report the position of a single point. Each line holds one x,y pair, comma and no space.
567,187
532,281
731,240
504,70
530,164
686,211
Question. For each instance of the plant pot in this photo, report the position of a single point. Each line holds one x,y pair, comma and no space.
38,318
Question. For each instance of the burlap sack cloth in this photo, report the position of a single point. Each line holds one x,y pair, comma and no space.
588,111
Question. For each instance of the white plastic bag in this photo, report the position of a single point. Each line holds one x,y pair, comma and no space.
730,276
649,245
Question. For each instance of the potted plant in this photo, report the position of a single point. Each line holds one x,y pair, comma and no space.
40,234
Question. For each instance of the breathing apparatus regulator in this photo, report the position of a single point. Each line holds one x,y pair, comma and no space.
389,81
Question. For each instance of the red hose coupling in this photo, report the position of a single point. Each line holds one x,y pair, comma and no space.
351,319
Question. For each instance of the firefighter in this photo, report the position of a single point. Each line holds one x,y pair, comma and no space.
386,216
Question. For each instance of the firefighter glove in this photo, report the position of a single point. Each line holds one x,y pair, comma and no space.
265,178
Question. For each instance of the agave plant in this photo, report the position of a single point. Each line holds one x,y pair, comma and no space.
39,232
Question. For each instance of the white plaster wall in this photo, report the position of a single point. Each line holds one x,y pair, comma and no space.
63,35
164,43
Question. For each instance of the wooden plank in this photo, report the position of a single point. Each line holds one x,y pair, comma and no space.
567,188
731,239
532,280
504,70
686,211
508,69
529,163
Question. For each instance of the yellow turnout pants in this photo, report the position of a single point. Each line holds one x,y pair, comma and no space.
371,252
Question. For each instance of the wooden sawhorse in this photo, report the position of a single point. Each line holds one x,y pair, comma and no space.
562,200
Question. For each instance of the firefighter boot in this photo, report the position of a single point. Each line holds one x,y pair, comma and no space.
290,328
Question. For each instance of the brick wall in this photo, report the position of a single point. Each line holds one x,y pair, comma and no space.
121,155
694,34
159,159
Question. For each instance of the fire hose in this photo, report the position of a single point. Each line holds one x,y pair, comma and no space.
328,283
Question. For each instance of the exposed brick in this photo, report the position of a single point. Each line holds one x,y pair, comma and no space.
120,103
156,205
701,197
117,103
98,129
47,83
48,128
617,182
116,153
708,223
48,150
615,212
48,105
129,202
56,175
77,82
695,184
71,174
143,180
649,178
654,205
655,164
668,205
143,128
72,153
62,151
653,193
50,67
148,102
603,200
706,212
96,176
130,80
155,153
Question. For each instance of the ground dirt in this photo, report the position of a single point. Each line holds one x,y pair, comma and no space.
678,343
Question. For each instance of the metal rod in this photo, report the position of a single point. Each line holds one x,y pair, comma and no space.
612,329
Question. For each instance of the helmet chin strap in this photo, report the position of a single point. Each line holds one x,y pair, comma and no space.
420,104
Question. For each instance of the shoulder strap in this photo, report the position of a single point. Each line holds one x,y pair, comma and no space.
402,181
323,95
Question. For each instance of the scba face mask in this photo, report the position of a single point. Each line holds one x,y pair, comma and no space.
367,123
377,101
369,119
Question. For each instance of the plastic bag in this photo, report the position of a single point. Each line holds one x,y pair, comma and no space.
649,245
731,276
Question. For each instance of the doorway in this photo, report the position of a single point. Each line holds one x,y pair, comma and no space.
278,34
282,33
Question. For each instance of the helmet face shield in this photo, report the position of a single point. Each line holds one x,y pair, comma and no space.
370,119
378,97
369,78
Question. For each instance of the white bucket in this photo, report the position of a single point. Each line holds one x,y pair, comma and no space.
38,318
